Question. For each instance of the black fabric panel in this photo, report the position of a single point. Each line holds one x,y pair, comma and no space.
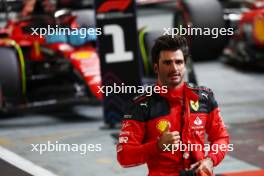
207,102
159,107
147,109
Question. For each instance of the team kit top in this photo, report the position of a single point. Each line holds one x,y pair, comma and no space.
189,109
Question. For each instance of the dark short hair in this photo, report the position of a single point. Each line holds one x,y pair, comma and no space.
169,43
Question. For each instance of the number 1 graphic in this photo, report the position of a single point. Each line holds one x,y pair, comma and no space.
119,53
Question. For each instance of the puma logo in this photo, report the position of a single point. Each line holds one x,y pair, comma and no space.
144,104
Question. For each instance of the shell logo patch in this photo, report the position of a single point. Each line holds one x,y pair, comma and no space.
194,105
162,125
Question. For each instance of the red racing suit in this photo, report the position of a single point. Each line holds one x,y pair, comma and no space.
191,110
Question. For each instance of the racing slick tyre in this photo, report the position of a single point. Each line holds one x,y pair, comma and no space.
203,14
146,42
10,79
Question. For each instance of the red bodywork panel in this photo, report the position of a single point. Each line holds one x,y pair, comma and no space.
85,60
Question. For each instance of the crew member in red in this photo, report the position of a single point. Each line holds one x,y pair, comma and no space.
154,126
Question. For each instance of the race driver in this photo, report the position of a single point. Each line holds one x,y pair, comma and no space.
152,125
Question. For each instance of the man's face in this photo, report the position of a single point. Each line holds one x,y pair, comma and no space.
170,68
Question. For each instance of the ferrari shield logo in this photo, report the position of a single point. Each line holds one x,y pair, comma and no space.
194,105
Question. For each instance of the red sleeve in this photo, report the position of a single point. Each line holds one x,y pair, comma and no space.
217,136
131,150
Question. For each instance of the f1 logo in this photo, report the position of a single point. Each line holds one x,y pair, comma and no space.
109,5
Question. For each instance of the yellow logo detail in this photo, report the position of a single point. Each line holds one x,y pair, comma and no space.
82,55
162,125
259,28
194,105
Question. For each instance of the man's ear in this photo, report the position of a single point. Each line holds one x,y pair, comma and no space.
156,68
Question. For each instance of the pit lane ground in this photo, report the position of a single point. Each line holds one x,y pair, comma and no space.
240,96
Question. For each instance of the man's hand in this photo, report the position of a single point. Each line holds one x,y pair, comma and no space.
168,137
203,167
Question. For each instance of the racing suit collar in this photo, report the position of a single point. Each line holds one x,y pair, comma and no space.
179,93
190,94
174,93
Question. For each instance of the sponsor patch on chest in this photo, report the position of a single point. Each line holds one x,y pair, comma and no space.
162,124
